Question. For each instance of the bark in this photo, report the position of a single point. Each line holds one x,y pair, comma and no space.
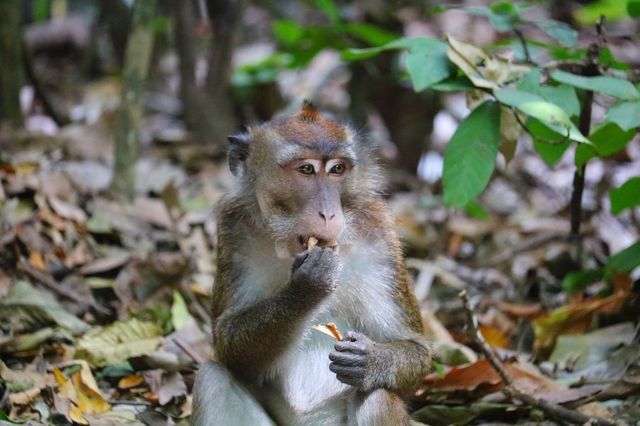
193,100
11,77
226,19
136,68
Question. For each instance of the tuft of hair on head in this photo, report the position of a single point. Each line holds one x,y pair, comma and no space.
308,113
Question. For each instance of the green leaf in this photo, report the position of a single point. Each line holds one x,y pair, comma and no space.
583,154
428,64
626,196
563,95
180,315
470,156
626,260
475,210
287,32
548,113
330,9
551,153
118,342
589,14
625,114
559,31
371,34
633,8
502,15
401,43
577,281
608,139
453,84
611,86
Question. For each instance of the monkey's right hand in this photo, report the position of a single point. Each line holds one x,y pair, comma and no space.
315,271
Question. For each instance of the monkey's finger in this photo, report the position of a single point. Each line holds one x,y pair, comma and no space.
354,336
299,259
352,372
354,347
347,359
351,381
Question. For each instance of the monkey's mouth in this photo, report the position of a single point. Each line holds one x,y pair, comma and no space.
308,241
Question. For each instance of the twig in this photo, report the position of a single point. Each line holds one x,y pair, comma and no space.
188,350
43,278
554,411
525,47
527,245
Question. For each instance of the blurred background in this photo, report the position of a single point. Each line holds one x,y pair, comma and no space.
113,124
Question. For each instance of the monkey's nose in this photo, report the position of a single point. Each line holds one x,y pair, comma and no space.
328,217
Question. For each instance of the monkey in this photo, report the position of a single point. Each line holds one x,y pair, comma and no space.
301,176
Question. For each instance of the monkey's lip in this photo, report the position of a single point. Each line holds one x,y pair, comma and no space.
303,240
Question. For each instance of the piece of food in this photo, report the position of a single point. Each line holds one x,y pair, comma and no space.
329,329
311,243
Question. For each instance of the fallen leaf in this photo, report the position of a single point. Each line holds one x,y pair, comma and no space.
118,342
130,381
494,337
573,318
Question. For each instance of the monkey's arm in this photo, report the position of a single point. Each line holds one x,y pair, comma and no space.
367,365
248,340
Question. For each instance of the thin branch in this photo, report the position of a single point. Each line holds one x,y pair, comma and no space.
195,356
525,46
552,410
45,279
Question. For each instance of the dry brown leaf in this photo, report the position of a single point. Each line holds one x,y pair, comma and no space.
36,259
494,337
573,318
130,381
82,393
520,311
482,377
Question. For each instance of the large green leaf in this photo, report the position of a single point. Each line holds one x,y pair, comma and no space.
427,63
470,156
562,95
548,113
625,114
626,196
559,31
611,86
119,342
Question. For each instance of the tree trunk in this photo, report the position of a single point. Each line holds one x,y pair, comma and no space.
11,78
193,100
136,67
226,20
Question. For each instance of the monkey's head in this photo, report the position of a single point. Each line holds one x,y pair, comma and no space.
306,173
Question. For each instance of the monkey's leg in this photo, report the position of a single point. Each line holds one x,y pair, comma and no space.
218,399
378,408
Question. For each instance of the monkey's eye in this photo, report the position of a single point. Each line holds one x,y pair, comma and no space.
337,169
306,169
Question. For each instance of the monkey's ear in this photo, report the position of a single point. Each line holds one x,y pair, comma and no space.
238,151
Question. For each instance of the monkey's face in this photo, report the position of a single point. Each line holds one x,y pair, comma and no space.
303,171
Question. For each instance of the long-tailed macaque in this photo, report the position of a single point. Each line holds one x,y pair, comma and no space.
300,177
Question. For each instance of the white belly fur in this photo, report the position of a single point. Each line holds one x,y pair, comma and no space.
302,375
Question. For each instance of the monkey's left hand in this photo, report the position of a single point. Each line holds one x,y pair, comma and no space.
362,363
